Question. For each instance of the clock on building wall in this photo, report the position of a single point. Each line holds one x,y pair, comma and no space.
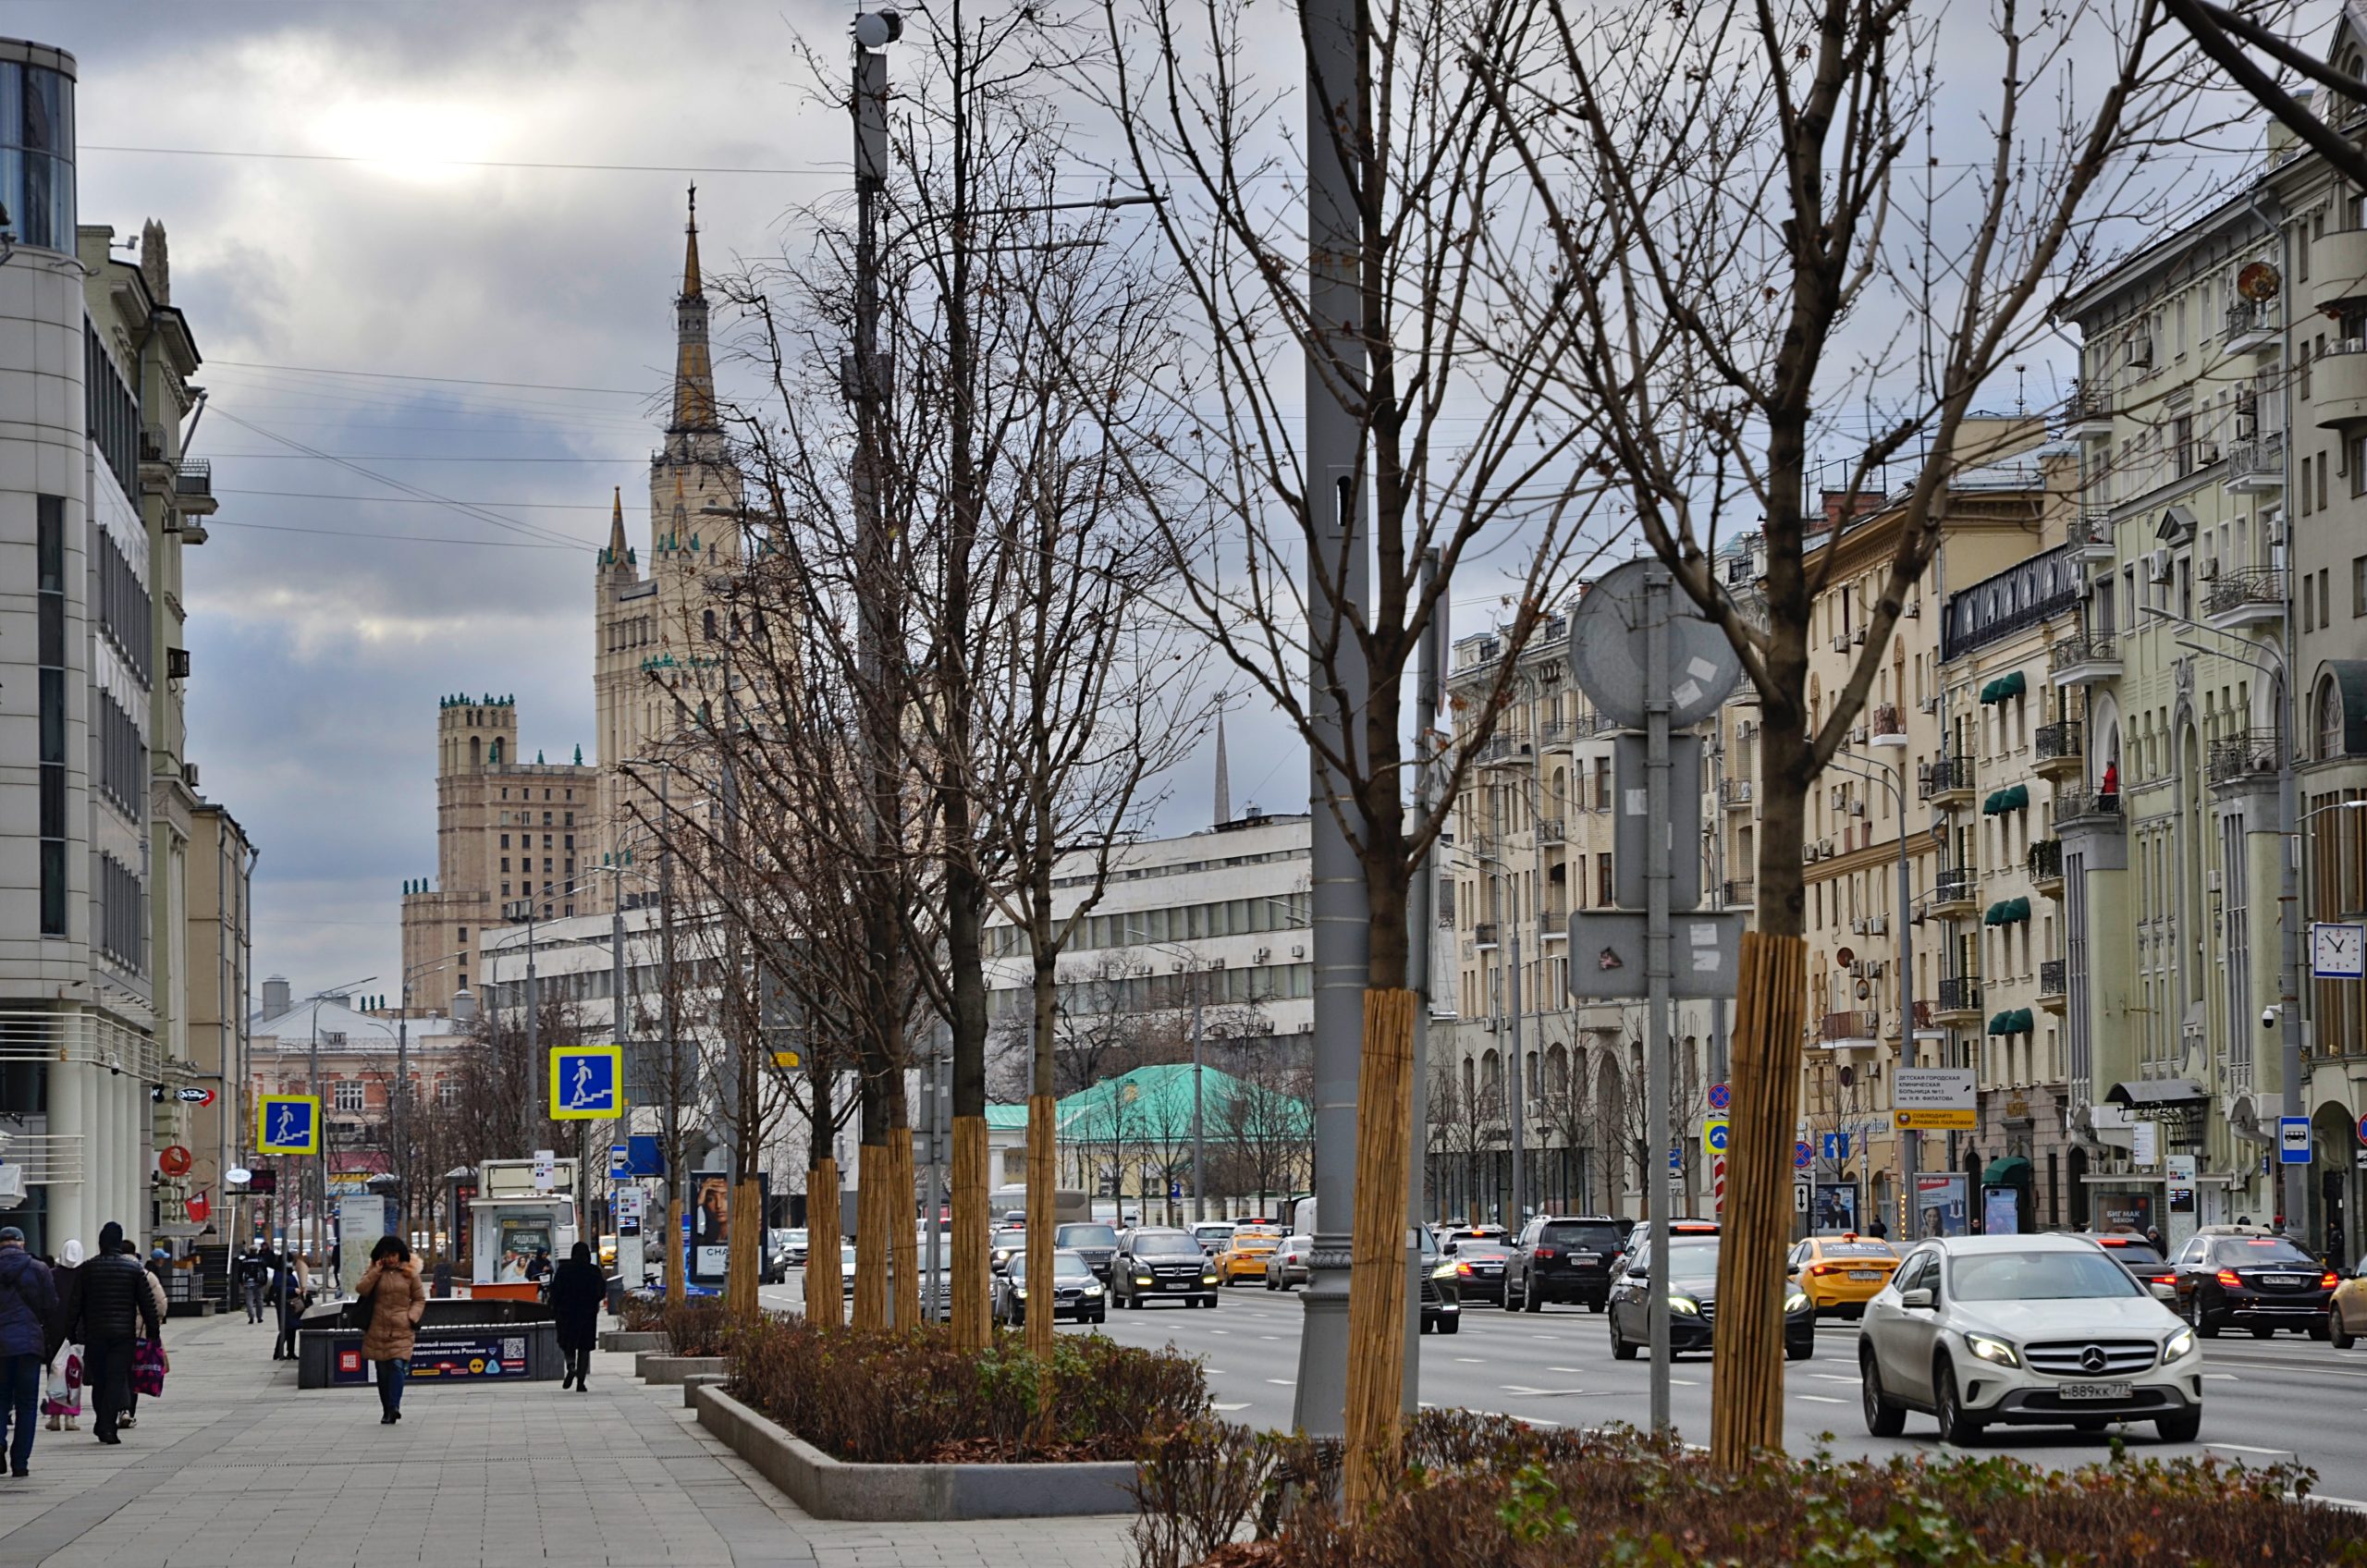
2337,951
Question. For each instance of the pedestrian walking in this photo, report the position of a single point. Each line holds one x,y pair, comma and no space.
140,1352
254,1279
67,1371
578,1291
112,1304
443,1287
396,1301
28,1302
290,1295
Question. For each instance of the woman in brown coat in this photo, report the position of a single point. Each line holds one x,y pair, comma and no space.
397,1301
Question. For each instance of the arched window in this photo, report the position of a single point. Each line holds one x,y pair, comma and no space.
477,751
710,619
1557,1072
2329,720
1491,1072
1470,1090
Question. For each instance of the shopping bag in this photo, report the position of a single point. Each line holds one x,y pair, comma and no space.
148,1367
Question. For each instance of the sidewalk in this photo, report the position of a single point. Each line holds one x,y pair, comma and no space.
235,1467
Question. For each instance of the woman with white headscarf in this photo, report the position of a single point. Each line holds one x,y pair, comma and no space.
62,1399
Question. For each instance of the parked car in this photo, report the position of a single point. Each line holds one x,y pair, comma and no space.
1094,1242
1007,1243
846,1271
2140,1257
1842,1273
1441,1297
1213,1235
1691,1283
1245,1256
1562,1258
798,1238
1286,1265
1479,1267
2347,1313
2262,1283
1641,1232
1076,1292
1160,1264
775,1263
2025,1330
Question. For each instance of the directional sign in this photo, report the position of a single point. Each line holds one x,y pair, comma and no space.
1675,1160
1713,1135
287,1125
1721,1098
1934,1098
1632,824
2293,1140
587,1084
191,1095
1802,1155
1837,1145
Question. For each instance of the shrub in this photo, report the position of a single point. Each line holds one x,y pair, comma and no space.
691,1328
1482,1491
903,1397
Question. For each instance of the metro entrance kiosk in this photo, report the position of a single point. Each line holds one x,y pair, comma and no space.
522,1207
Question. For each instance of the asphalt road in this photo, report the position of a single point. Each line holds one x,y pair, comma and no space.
2265,1399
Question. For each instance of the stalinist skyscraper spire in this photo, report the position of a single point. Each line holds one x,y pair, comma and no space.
1224,776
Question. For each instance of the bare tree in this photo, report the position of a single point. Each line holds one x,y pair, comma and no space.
1731,195
1465,1125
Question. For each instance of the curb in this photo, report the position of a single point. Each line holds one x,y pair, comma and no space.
623,1341
832,1489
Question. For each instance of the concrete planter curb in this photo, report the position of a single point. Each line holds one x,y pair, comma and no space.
621,1341
830,1489
697,1380
651,1368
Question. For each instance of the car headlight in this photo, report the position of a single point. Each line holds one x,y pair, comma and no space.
1020,1290
1443,1271
1995,1351
2179,1347
1686,1304
1142,1279
1797,1302
1209,1277
1093,1289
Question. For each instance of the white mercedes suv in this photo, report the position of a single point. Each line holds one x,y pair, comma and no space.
2025,1330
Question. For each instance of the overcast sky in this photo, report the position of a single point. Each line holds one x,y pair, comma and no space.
288,148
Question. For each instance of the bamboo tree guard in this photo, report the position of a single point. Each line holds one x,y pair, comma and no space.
898,1209
1747,1378
678,1282
972,1319
1042,1171
1377,1274
824,1279
746,1266
871,1238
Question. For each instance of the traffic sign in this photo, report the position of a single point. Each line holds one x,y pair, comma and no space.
1721,1098
2362,1129
287,1125
1608,651
237,1175
1934,1098
187,1095
2293,1140
785,1059
620,1161
587,1084
1713,1135
1675,1160
1837,1145
1607,954
1802,1155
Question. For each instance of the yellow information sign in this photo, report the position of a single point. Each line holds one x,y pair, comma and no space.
1935,1120
587,1084
785,1058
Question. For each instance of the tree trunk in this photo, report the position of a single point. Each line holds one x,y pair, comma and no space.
1377,1276
1042,1180
824,1283
972,1234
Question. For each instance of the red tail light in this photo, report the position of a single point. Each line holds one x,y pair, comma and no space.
2227,1278
1463,1269
2328,1282
1821,1269
1547,1252
2163,1280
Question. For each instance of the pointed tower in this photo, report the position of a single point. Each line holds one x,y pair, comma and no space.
617,554
1224,777
693,362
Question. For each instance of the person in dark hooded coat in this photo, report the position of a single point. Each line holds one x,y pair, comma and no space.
577,1293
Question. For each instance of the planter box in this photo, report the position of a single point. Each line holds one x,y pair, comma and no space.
620,1341
651,1368
697,1380
832,1489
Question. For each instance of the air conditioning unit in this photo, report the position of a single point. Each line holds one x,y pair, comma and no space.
1841,642
1857,808
1930,705
1858,636
1263,954
2206,453
2157,566
1873,967
189,773
2211,880
2275,530
1857,736
1856,928
2209,569
1915,609
1808,852
1878,925
1824,848
1298,949
2140,350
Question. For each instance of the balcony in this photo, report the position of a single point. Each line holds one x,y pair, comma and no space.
1741,893
2091,808
1886,720
1503,748
1483,937
1554,923
2254,325
193,487
2056,750
2090,536
2338,262
1854,1028
1958,1001
1550,830
2051,994
1734,793
1956,891
1944,781
2257,467
2247,756
2252,595
2339,384
2088,416
1554,733
2084,658
2045,866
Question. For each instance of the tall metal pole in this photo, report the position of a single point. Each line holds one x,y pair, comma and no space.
1903,916
1199,1150
1515,1111
677,1193
1338,582
1421,906
320,1144
2294,1195
535,1069
1657,974
403,1100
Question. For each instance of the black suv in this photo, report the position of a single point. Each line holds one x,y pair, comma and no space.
1562,1258
1154,1264
1097,1243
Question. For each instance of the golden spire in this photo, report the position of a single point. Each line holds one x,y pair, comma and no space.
693,365
691,251
616,531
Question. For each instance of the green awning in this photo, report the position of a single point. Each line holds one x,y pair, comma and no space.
2023,1021
1994,914
2016,910
2013,1170
1989,805
1989,693
1997,1023
2012,684
2015,796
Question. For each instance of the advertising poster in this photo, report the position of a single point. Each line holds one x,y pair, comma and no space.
1835,1210
2124,1211
444,1361
1940,1209
2001,1212
2181,1183
710,1226
521,1237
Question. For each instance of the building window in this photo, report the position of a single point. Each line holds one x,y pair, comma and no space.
504,893
345,1094
50,637
505,840
464,980
37,153
448,1089
464,942
2329,720
505,865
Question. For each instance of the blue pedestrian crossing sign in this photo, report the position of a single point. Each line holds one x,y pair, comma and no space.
287,1125
587,1084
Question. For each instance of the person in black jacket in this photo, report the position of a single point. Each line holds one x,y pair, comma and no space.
28,1302
578,1291
112,1304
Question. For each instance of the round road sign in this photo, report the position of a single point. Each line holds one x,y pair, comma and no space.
1607,652
1720,1097
1802,1155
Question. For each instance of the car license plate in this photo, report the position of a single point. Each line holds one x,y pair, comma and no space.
1586,1257
2095,1390
1865,1273
2283,1280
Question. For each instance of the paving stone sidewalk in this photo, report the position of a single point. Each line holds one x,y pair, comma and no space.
235,1467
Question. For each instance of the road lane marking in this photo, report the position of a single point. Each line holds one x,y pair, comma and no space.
1680,1382
1243,1405
2221,1378
2238,1448
1821,1398
1578,1369
1278,1383
1527,1392
1476,1361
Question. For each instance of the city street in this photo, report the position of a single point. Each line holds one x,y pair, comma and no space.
2267,1399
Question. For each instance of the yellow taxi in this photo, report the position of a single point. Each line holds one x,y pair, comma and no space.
1245,1256
1842,1273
